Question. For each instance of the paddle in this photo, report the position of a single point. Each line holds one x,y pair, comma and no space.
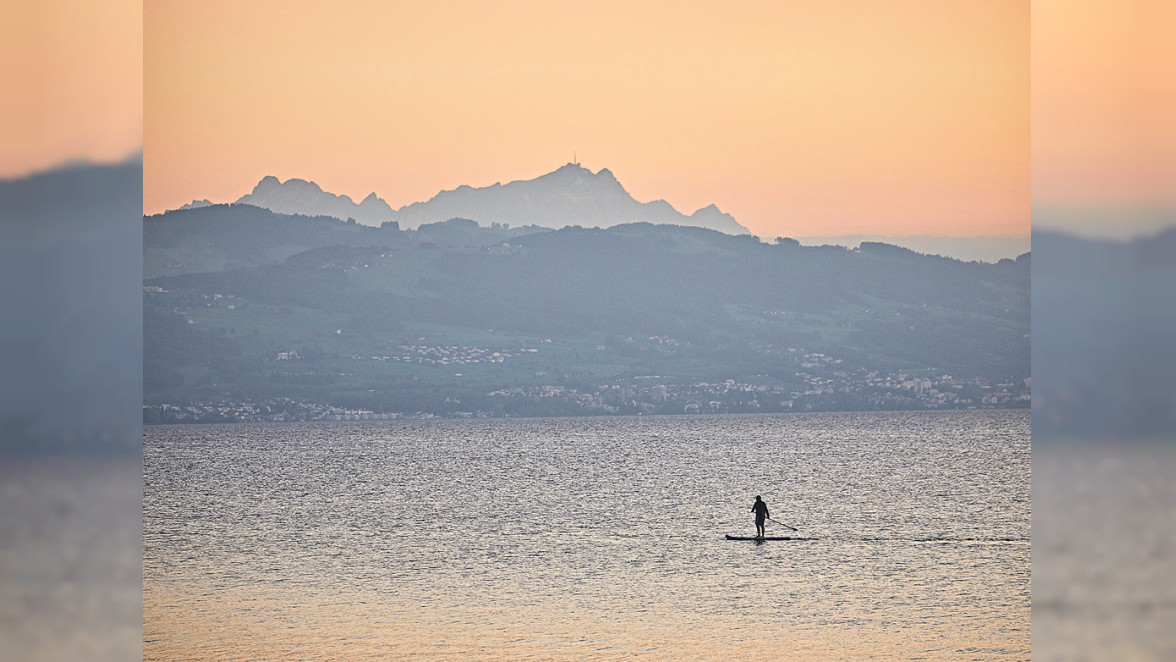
782,524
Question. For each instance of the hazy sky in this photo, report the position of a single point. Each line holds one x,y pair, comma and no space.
1104,99
71,83
798,118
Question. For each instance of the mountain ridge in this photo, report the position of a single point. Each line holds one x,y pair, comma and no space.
300,196
569,195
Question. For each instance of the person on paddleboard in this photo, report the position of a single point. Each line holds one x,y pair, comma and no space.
761,513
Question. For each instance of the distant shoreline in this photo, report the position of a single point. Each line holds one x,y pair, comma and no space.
431,417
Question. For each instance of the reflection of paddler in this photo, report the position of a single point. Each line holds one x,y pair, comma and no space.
761,513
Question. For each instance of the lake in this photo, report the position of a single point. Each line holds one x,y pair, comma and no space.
70,558
596,538
1104,543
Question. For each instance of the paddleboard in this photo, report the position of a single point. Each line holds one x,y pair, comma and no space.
731,537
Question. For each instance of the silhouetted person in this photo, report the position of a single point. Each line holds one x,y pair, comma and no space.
761,513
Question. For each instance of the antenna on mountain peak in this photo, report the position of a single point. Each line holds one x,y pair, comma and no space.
574,161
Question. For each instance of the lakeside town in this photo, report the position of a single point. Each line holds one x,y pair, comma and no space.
647,395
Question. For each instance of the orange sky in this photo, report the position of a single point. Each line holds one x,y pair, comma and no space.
865,117
71,72
1104,95
799,118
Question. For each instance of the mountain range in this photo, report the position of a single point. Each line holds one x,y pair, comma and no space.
571,195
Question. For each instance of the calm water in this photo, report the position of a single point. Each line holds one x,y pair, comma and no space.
70,558
590,538
1105,541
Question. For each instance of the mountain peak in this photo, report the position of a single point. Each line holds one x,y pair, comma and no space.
578,170
566,172
573,167
266,183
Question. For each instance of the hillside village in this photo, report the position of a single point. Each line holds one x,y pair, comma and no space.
826,387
